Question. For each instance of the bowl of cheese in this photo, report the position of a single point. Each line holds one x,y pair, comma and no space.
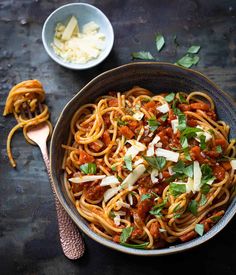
78,36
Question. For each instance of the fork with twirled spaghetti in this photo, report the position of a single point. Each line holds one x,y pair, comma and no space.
25,102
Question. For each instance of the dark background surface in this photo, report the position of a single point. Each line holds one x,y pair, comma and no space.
29,242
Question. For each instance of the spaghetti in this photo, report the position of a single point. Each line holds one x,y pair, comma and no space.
149,170
24,101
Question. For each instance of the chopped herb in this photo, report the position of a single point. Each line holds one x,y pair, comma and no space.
182,122
136,246
187,61
177,189
126,232
205,188
119,178
194,49
181,169
113,168
170,97
177,215
153,123
121,122
203,200
184,142
207,174
199,228
216,218
160,41
218,149
146,196
188,171
88,168
190,132
175,109
202,142
142,55
156,162
192,207
187,155
156,210
164,117
112,214
182,99
128,162
177,207
146,99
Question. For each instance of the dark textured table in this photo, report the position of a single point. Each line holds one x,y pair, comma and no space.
29,241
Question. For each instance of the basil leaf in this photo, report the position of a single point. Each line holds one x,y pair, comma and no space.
216,218
142,55
184,142
207,174
179,167
199,228
136,246
153,123
177,215
160,41
205,188
170,97
192,207
187,155
126,233
182,122
190,132
177,189
182,99
219,149
128,162
156,210
156,162
145,196
202,142
194,49
187,61
113,168
88,168
203,200
112,215
188,171
121,122
175,109
164,117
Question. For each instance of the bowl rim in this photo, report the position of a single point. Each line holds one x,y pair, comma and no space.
140,252
69,65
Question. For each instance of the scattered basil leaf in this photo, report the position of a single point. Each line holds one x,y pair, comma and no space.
180,169
202,142
199,228
146,196
192,207
153,123
190,132
177,207
194,49
187,61
156,162
146,99
219,149
128,162
177,215
203,200
216,218
88,168
207,174
136,246
170,97
160,41
156,210
126,233
121,122
188,171
195,59
184,142
113,168
177,189
187,155
142,55
112,215
182,99
182,122
205,188
175,109
164,117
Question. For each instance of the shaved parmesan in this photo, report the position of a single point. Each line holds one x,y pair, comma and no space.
151,148
154,175
132,151
169,155
69,28
139,161
138,115
207,135
117,220
90,27
133,176
163,108
130,198
109,181
174,125
87,178
122,204
135,148
111,193
233,164
197,175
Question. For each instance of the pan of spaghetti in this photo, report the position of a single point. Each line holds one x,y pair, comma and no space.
146,163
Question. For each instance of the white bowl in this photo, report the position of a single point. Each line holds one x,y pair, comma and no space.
84,13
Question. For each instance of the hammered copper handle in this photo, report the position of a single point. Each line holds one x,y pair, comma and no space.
71,240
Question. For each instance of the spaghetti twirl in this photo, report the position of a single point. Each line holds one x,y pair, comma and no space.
149,170
24,101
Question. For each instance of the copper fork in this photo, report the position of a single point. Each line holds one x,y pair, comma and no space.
71,240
